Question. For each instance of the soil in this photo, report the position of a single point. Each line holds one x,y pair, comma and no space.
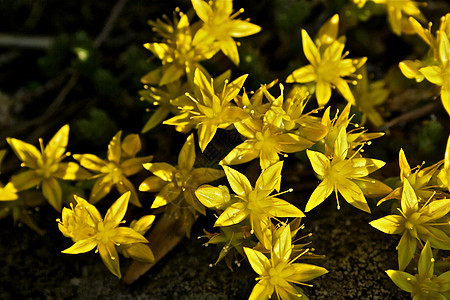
32,266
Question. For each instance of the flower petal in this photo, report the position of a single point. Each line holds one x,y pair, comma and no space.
319,195
239,183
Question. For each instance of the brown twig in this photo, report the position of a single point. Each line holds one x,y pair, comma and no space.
413,115
115,12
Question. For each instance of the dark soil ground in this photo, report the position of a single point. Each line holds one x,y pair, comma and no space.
32,266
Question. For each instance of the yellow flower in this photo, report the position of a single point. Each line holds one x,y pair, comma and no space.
286,113
397,11
419,180
264,141
279,273
88,230
164,98
327,68
121,163
184,179
368,95
416,224
214,108
177,52
139,251
256,204
423,285
221,26
444,173
342,175
45,167
440,74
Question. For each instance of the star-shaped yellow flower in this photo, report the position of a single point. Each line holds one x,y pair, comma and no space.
215,109
84,224
265,141
328,68
416,224
280,273
444,173
220,25
177,52
256,204
45,167
341,174
184,179
121,163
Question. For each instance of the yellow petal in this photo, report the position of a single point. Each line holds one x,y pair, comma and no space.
90,161
238,182
186,158
234,214
25,180
110,257
353,195
27,153
345,91
123,186
402,279
309,49
322,191
101,188
141,252
409,198
257,260
71,171
132,166
57,145
162,170
202,9
433,74
306,272
329,31
241,28
213,197
303,75
319,162
243,153
157,117
126,235
263,290
167,194
204,175
281,208
143,224
117,210
131,145
229,48
283,244
81,246
52,192
206,133
152,184
270,178
391,224
114,148
323,92
406,250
